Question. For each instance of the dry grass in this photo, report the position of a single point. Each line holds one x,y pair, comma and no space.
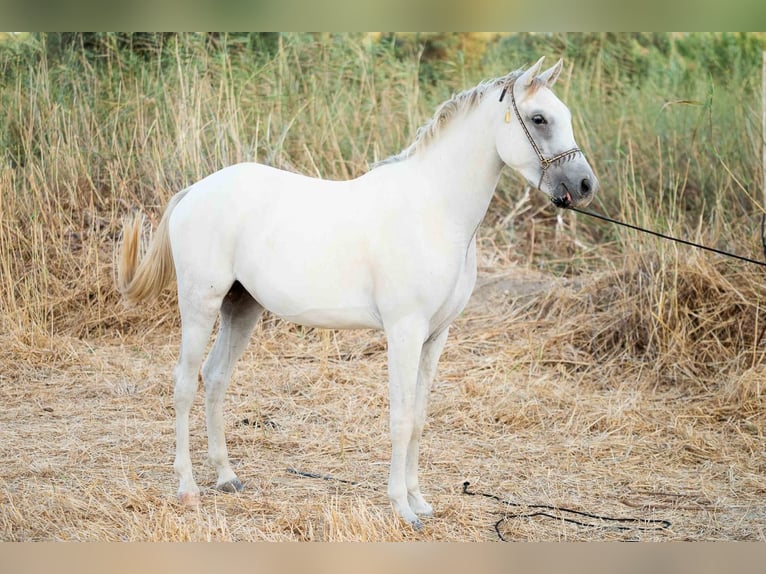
529,404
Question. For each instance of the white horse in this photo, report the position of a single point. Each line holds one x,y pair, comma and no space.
394,249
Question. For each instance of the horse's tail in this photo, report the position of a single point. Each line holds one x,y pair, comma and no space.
140,280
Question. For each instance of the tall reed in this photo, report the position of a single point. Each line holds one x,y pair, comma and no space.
88,139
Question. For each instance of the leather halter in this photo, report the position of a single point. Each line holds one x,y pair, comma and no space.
545,162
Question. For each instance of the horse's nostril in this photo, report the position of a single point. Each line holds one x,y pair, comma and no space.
585,186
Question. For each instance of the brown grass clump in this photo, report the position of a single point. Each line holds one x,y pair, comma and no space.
687,320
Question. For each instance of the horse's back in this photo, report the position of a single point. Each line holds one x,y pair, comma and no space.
296,243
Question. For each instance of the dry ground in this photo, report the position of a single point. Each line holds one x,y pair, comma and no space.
86,439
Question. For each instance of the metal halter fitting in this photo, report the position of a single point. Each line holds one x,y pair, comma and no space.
545,162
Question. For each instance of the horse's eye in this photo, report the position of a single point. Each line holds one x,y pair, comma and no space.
539,120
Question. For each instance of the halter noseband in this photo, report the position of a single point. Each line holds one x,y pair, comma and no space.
545,162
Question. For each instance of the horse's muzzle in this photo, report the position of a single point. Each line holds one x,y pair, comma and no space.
580,196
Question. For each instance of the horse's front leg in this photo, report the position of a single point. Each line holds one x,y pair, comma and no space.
429,358
405,343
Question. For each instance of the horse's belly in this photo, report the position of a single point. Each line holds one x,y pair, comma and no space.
332,305
334,296
339,318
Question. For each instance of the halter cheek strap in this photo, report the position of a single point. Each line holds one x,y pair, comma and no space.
545,162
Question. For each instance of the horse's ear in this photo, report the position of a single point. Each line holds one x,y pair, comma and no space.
549,76
528,77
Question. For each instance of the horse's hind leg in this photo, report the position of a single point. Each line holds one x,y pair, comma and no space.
239,313
197,319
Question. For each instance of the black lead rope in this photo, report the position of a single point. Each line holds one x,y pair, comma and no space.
545,163
683,241
296,472
545,510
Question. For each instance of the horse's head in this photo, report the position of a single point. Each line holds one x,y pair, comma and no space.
535,138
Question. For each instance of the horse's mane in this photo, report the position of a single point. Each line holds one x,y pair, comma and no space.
460,102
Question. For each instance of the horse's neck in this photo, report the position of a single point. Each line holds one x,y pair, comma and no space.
462,167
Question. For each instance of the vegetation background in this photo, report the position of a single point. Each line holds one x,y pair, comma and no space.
95,126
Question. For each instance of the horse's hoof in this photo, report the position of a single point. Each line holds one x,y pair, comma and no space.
407,515
426,511
420,506
232,486
189,498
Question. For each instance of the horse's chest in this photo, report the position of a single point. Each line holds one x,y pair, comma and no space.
457,292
